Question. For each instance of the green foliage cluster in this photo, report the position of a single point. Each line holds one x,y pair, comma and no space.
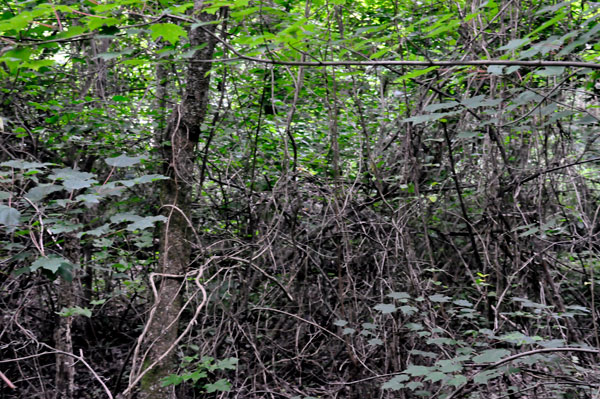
419,217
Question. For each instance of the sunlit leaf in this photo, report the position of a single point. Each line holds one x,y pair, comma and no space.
169,32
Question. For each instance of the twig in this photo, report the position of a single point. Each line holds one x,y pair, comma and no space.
7,381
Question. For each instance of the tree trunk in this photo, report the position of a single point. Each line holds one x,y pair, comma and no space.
183,133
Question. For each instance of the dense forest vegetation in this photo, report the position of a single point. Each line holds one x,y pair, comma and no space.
299,199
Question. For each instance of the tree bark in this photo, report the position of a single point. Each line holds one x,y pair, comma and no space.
182,134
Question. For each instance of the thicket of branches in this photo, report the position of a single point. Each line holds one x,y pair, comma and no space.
356,231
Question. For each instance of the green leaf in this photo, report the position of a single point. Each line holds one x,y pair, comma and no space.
414,385
491,355
221,385
514,44
228,364
123,161
441,341
408,310
169,32
495,69
172,379
449,366
396,382
427,118
486,375
439,298
399,295
435,376
385,308
415,74
463,303
73,179
9,217
375,342
75,311
414,326
51,263
36,194
550,71
20,164
146,222
417,371
437,107
458,380
340,323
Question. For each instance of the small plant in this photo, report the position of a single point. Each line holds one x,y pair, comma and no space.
197,371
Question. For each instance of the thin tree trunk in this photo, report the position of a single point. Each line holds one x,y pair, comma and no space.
183,133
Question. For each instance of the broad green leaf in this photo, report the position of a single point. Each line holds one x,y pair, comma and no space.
75,311
553,343
9,217
495,69
124,217
228,364
51,263
142,180
427,118
375,342
439,106
414,385
550,71
369,326
221,385
37,64
171,379
96,22
441,341
458,380
408,310
385,308
104,229
399,295
486,375
414,326
169,32
36,194
449,366
73,179
340,323
417,371
439,298
396,382
462,302
20,164
146,222
514,44
491,355
415,74
348,331
123,161
435,376
89,198
64,227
